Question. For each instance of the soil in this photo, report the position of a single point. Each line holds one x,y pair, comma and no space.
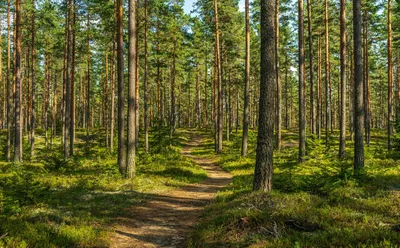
166,219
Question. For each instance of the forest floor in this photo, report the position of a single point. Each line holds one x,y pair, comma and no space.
166,219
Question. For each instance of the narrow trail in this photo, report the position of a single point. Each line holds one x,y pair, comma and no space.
167,218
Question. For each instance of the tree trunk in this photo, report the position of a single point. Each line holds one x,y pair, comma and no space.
88,82
310,53
278,81
358,90
265,140
68,70
390,76
72,107
327,83
18,87
33,82
302,104
131,153
8,96
121,95
319,90
246,84
112,86
146,121
342,145
220,115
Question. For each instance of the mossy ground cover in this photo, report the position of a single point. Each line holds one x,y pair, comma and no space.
49,202
315,204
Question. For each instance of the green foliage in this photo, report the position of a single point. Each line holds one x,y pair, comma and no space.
52,202
315,204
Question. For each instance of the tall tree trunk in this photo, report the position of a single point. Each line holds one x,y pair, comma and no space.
121,95
8,96
220,115
342,145
18,87
246,84
310,54
358,90
172,114
33,82
67,102
265,140
302,104
319,90
367,110
112,86
327,83
146,121
131,153
137,78
106,102
390,75
278,81
72,107
88,81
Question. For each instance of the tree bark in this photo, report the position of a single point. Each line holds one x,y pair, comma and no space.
265,140
390,76
342,145
358,90
302,104
18,86
278,81
146,121
121,95
72,107
310,54
220,115
8,96
327,83
131,153
33,82
246,84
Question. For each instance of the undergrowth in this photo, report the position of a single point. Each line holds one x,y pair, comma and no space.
47,201
315,204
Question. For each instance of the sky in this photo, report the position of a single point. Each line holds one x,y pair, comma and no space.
189,5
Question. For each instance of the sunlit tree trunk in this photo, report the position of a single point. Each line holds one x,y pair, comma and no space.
18,86
121,95
278,81
265,140
220,114
302,104
358,90
327,83
342,145
310,54
390,75
246,84
131,153
8,95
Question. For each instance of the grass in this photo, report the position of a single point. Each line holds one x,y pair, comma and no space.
315,204
49,202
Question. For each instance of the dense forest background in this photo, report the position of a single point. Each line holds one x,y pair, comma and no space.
97,98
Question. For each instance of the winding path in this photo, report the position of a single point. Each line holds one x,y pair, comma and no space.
166,219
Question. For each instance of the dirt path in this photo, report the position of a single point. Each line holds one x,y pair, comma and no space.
166,219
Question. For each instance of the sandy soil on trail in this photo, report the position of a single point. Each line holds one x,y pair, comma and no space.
166,219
